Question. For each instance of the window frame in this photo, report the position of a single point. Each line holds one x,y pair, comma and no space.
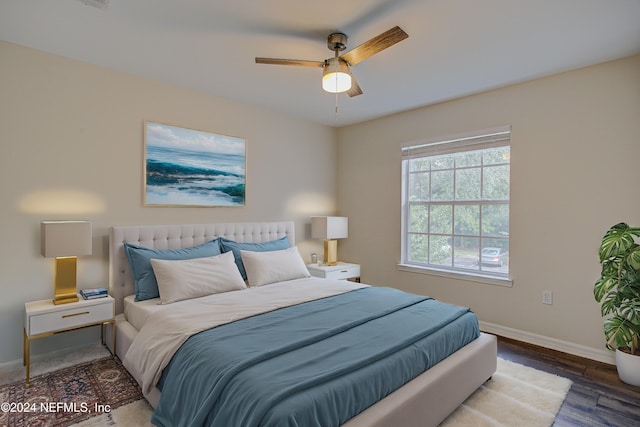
471,141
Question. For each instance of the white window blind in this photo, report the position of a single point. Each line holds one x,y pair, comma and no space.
495,137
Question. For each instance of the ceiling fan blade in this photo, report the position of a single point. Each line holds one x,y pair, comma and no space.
375,45
297,62
355,88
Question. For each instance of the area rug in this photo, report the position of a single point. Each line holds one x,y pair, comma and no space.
515,395
68,395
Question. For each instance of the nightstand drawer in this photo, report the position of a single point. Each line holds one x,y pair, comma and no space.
341,271
70,318
344,273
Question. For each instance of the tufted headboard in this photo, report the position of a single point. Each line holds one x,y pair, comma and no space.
180,236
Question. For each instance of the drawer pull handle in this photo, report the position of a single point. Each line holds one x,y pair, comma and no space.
344,271
75,314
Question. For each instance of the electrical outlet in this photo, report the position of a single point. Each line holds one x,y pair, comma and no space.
547,297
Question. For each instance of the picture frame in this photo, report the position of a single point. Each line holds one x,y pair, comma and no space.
192,168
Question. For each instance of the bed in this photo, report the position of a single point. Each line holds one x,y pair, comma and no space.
423,401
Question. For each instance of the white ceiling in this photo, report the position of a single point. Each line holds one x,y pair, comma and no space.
455,47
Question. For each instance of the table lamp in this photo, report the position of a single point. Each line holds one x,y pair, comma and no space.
330,228
65,241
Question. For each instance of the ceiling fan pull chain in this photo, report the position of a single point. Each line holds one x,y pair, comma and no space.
336,107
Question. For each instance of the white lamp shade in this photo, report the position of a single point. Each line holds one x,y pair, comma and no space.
329,227
336,77
65,238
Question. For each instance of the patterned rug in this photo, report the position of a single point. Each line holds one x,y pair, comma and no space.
68,396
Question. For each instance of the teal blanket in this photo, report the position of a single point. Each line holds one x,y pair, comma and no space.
314,364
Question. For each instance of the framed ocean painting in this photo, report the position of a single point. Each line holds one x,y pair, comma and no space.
186,167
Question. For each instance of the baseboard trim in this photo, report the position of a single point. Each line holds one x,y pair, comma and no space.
599,355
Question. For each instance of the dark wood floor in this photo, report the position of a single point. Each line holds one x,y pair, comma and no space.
597,397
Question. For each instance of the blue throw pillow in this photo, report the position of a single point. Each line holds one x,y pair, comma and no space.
140,257
274,245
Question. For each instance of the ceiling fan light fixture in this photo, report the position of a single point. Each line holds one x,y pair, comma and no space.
336,77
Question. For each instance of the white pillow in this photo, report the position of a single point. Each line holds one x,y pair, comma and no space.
273,266
191,278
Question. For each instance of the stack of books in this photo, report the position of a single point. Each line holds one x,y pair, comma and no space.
94,293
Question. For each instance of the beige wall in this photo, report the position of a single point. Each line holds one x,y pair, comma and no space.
575,147
72,148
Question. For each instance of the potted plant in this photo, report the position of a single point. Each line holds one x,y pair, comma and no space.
618,291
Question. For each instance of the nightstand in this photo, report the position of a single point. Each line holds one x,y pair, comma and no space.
341,271
43,319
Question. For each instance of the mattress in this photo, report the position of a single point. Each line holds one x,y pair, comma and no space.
137,313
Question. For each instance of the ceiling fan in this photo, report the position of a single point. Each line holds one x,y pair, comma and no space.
336,77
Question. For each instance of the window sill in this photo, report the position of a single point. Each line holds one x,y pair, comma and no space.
489,280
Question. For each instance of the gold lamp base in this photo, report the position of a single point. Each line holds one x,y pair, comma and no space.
330,252
65,281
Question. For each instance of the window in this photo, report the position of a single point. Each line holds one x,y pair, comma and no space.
455,204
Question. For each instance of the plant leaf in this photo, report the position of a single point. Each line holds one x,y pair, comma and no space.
619,331
630,310
603,286
610,303
616,241
633,257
